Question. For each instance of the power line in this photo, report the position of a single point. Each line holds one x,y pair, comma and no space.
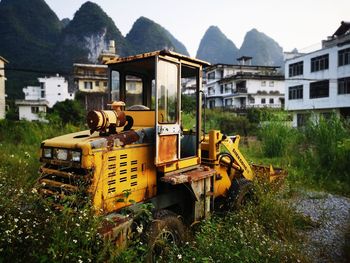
39,71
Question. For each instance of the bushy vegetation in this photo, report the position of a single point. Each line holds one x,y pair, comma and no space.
30,230
263,232
316,155
68,111
276,135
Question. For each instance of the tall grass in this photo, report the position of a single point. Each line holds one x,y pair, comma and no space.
30,230
317,155
276,135
263,232
325,155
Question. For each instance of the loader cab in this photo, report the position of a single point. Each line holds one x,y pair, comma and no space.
151,85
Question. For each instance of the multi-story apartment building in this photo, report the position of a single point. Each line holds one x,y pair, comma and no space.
2,88
319,81
243,86
91,80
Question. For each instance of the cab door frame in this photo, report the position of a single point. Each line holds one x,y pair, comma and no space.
168,130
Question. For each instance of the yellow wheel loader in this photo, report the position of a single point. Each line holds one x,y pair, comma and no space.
138,153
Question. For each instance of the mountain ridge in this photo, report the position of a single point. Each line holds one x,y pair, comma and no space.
216,48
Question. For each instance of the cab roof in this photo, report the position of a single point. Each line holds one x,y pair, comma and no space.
164,52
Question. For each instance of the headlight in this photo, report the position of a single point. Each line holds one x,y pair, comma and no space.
47,153
76,156
62,154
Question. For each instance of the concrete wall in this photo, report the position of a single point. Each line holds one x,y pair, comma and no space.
25,112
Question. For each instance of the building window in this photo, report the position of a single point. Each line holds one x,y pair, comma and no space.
89,72
251,100
296,69
344,85
319,63
105,83
59,94
271,84
319,89
221,89
211,91
228,88
263,83
228,102
295,92
88,85
97,83
221,74
263,101
302,119
35,110
42,90
211,75
344,57
271,101
212,104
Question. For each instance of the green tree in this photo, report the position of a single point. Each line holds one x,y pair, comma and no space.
68,111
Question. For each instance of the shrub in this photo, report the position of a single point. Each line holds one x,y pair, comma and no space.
276,136
326,151
68,111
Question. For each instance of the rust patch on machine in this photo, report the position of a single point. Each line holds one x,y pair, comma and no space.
167,150
190,176
122,139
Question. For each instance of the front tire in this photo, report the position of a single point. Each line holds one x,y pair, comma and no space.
165,231
240,192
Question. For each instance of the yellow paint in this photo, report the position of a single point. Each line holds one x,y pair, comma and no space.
142,118
214,144
123,176
179,165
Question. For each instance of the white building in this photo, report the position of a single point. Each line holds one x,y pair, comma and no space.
51,89
2,88
38,98
320,81
243,86
54,89
32,110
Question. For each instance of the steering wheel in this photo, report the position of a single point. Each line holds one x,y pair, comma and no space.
138,107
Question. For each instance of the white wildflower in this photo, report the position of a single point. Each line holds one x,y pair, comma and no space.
139,228
179,256
75,241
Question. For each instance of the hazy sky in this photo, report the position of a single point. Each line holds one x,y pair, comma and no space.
300,24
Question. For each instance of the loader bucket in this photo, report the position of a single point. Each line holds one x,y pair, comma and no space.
270,174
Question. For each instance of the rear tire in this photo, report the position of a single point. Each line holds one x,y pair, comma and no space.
165,231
